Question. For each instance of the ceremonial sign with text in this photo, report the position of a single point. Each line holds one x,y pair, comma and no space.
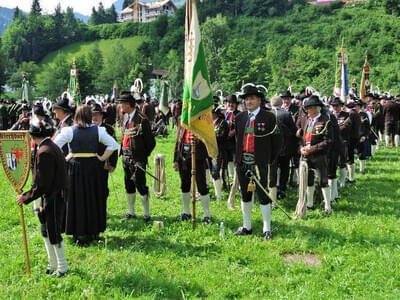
15,155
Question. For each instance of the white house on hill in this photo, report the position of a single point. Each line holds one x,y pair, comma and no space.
147,11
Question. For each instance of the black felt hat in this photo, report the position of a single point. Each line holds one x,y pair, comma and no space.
38,110
96,108
336,101
313,100
251,90
126,97
286,94
231,98
64,104
41,129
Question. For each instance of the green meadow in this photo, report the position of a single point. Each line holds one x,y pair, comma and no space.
83,48
352,254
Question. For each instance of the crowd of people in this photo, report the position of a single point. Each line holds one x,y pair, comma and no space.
262,143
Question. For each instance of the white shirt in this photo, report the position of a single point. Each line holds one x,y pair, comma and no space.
130,117
254,113
315,119
369,116
66,135
63,120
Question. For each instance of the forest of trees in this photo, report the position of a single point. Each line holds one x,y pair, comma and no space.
270,42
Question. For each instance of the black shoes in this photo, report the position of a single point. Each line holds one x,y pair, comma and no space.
146,219
184,217
206,220
244,231
335,200
350,181
311,207
128,217
58,274
281,195
267,236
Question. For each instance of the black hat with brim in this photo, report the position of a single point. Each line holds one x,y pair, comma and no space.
286,94
251,91
96,108
336,101
313,100
38,110
63,104
126,97
231,99
42,129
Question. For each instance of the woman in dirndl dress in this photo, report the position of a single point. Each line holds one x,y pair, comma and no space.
85,211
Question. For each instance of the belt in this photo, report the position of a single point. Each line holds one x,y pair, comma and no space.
126,152
248,158
83,155
186,147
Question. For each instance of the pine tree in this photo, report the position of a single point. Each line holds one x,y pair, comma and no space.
102,14
36,10
126,3
111,14
94,17
58,18
17,13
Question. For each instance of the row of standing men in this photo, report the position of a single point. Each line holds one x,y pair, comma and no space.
258,141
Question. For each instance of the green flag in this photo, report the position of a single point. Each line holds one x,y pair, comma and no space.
164,98
197,95
74,84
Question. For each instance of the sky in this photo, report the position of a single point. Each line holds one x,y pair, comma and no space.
81,6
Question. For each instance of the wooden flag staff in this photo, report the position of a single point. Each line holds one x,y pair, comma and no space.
193,185
22,219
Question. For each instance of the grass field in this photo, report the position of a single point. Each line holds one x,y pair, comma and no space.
358,247
82,48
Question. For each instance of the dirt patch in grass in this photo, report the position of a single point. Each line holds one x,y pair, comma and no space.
311,260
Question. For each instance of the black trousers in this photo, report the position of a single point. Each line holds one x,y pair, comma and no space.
351,150
134,178
52,218
333,161
362,151
185,173
344,155
244,182
283,164
390,128
318,164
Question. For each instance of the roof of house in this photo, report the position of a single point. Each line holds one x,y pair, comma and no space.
153,4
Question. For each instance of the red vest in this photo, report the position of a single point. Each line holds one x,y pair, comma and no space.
308,133
187,139
126,136
248,141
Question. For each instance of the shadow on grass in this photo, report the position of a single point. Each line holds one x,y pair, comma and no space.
314,236
135,284
366,196
157,241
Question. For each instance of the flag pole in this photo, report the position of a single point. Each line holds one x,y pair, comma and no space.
193,141
193,184
22,219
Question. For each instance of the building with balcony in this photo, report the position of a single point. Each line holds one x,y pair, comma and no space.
146,11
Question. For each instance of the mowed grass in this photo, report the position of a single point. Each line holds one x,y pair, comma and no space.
358,246
83,48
